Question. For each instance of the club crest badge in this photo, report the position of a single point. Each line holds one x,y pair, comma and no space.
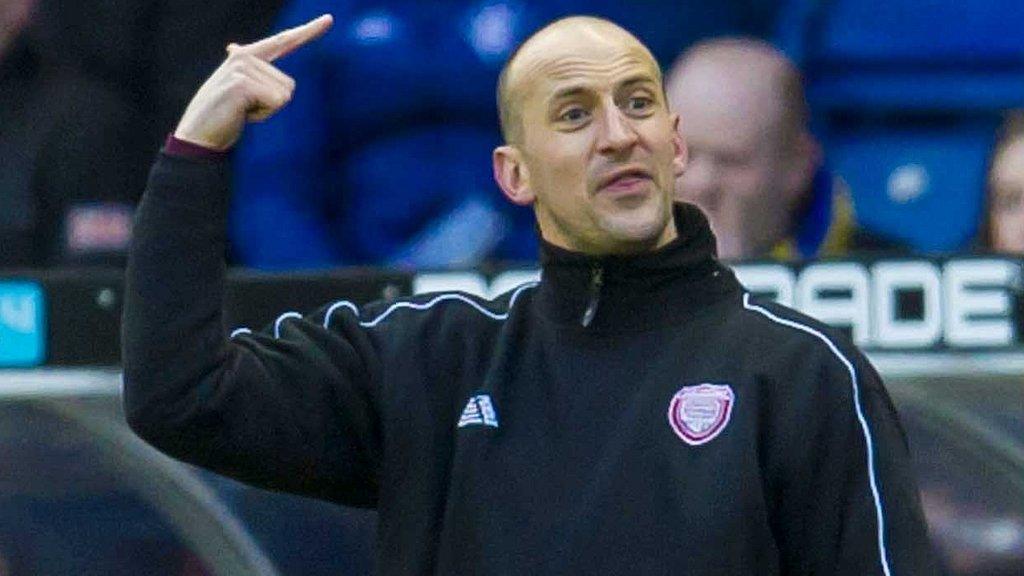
699,413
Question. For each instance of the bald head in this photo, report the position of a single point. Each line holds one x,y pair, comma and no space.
752,159
590,141
573,33
744,78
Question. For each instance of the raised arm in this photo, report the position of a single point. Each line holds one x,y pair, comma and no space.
294,408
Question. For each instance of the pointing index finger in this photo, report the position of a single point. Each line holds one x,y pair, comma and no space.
285,42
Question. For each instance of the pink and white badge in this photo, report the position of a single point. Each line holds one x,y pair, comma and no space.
698,414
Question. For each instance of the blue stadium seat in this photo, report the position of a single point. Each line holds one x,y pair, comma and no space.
906,96
431,210
907,54
917,185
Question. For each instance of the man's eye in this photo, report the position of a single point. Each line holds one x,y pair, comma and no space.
640,103
573,115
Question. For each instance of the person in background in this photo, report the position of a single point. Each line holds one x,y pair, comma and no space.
71,166
1003,230
755,168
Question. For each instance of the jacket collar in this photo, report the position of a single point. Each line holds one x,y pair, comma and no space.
636,292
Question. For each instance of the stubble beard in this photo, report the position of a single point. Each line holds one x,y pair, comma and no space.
637,229
612,229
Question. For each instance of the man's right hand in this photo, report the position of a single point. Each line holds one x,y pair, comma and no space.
246,87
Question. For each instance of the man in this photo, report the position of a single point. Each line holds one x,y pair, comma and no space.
634,412
753,160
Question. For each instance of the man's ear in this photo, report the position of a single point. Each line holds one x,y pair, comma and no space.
806,160
681,153
512,176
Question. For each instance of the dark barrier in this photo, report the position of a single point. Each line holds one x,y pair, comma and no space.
73,317
69,318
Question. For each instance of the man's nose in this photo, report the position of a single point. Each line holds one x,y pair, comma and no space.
617,134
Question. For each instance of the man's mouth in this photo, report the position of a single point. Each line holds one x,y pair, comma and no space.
625,181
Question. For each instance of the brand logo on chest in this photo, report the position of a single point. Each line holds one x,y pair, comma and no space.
479,411
698,414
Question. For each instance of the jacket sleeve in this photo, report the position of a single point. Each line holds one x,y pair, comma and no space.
294,408
846,498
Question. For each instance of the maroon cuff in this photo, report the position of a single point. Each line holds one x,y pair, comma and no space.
176,147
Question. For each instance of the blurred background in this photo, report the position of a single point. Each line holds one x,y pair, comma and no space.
861,161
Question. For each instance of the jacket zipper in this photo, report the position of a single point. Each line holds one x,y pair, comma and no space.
596,281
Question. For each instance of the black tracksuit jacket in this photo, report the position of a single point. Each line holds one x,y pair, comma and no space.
685,429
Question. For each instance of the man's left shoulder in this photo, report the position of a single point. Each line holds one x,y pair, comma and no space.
783,329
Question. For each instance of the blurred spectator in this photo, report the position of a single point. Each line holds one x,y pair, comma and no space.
754,166
84,107
153,53
1003,230
383,156
71,165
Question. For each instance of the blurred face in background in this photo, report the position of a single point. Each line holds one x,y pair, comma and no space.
1006,199
751,164
594,149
